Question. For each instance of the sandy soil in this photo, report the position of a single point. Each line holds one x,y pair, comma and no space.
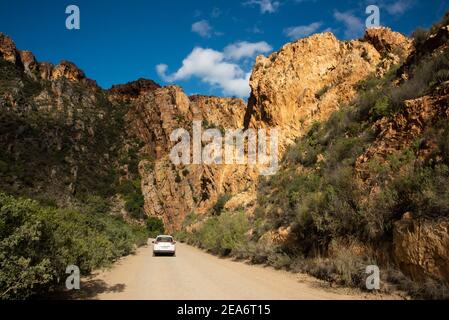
197,275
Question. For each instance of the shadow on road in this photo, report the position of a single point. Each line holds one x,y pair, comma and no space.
92,288
89,289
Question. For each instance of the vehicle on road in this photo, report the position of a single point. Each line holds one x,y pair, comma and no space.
164,245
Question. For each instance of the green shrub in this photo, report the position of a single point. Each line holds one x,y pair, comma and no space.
419,36
443,144
223,234
219,205
134,201
3,167
422,191
96,205
38,243
381,108
134,205
155,226
189,219
430,289
279,260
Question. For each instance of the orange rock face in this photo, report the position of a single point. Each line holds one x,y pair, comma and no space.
8,49
421,248
306,80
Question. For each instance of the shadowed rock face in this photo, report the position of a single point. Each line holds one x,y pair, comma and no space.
133,89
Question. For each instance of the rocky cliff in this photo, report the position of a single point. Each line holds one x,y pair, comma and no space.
302,83
173,192
367,181
88,137
305,81
58,132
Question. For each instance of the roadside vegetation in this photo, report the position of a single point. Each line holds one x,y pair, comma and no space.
37,243
154,226
329,206
70,189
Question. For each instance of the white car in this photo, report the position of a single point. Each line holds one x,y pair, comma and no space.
164,244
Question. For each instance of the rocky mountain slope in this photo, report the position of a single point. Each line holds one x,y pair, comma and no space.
364,168
62,144
285,94
344,110
306,80
289,91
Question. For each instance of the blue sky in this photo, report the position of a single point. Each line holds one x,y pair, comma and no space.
207,47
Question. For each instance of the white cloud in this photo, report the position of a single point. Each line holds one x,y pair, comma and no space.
161,70
217,68
244,49
203,28
265,6
302,31
398,7
354,25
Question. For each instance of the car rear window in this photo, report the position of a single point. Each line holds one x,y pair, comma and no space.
164,239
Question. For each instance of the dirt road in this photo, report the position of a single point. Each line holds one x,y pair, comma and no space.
194,274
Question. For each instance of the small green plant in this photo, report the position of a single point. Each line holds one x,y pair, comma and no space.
219,205
320,93
134,201
381,108
155,226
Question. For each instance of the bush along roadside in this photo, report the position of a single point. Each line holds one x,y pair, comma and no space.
340,213
37,243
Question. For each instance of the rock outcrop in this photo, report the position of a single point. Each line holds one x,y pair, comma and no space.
301,83
8,49
421,248
397,133
172,192
26,61
306,80
387,42
133,90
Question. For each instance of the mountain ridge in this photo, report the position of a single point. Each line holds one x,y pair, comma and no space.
344,110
